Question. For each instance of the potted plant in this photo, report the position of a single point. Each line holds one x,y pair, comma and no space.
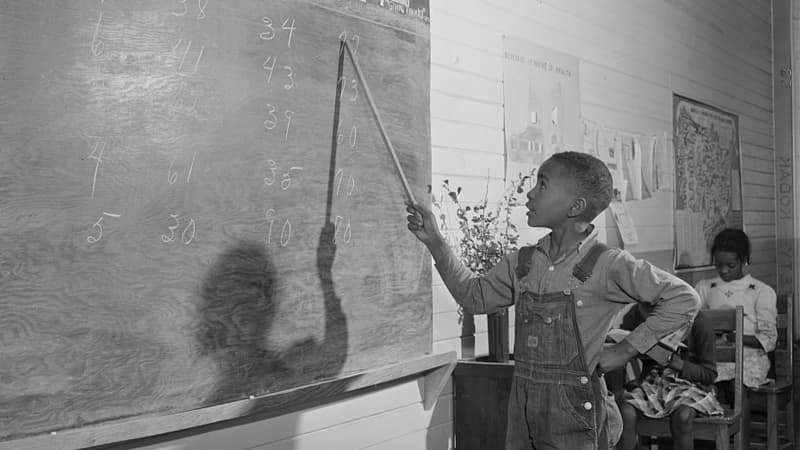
481,236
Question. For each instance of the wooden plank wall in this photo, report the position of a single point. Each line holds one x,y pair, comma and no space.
794,48
634,55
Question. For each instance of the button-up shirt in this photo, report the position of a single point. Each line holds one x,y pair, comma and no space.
618,279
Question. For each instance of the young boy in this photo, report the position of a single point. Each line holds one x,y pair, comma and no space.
567,288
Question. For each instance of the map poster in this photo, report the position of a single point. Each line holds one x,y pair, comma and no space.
708,193
542,111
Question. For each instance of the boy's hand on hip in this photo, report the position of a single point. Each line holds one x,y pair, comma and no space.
615,356
422,223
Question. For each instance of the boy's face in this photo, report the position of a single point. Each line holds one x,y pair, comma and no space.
550,200
728,265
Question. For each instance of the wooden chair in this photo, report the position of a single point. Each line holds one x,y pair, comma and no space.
732,423
778,393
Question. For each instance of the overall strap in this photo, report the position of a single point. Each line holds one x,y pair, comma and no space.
524,261
583,270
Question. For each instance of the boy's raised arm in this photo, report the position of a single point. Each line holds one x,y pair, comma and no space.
422,223
477,295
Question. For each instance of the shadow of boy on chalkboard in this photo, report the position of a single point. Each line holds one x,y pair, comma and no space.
237,310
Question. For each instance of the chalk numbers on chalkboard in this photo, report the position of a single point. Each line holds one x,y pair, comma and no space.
346,184
97,44
349,187
272,166
272,176
286,228
270,32
97,48
182,9
351,139
342,227
272,120
289,85
187,236
269,66
172,175
97,155
186,54
98,228
191,54
354,38
353,86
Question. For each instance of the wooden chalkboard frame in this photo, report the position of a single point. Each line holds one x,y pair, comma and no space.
435,370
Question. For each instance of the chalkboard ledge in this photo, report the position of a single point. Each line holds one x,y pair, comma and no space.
434,371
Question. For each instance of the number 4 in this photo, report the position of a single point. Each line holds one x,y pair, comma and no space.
290,28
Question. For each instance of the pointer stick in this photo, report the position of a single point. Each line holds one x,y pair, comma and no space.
380,123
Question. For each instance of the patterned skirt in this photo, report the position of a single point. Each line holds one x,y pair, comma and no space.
662,391
756,367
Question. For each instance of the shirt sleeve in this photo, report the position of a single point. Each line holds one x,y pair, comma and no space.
766,318
702,290
480,294
702,368
674,302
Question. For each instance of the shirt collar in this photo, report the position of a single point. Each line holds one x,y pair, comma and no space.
587,242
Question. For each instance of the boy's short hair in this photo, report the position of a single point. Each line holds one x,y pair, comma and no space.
592,180
734,241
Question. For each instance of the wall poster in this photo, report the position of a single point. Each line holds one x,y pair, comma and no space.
708,191
542,112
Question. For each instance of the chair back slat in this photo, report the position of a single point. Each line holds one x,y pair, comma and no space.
726,353
783,335
727,321
723,320
781,358
739,373
783,303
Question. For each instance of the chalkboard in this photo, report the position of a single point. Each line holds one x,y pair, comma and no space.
190,215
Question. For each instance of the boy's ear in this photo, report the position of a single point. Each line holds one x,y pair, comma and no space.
578,207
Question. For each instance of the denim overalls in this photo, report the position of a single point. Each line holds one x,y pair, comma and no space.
555,403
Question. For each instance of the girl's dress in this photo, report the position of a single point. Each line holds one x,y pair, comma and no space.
662,391
760,320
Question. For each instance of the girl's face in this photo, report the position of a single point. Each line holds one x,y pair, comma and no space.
728,265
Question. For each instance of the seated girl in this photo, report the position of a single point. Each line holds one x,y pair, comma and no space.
731,288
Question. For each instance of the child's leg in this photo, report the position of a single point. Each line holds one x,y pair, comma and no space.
629,439
551,416
517,430
680,423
